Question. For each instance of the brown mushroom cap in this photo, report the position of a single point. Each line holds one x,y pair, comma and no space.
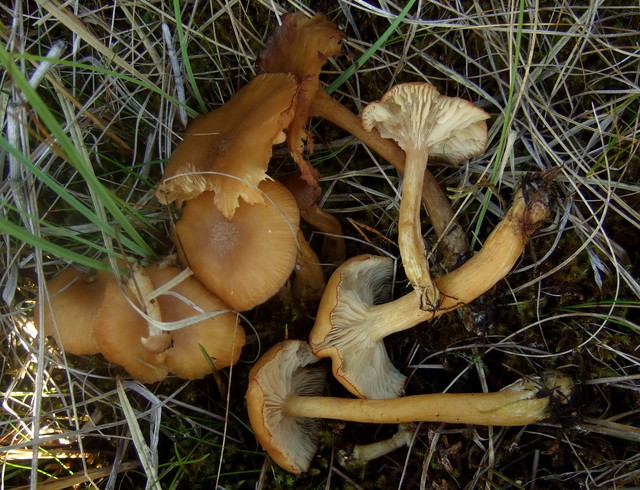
228,149
244,260
220,336
68,315
118,331
301,45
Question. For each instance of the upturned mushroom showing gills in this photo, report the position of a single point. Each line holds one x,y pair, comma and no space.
424,124
214,154
283,402
301,45
246,259
350,327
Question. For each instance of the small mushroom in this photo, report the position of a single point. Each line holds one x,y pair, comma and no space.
424,124
301,45
441,215
350,327
228,150
283,403
246,259
119,330
71,307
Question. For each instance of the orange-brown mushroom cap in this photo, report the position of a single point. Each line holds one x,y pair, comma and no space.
220,336
228,150
301,45
244,260
118,330
75,298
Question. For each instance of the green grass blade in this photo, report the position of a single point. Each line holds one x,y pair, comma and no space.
72,154
21,233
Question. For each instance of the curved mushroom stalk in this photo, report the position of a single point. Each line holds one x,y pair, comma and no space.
350,326
424,124
374,450
309,281
282,405
333,246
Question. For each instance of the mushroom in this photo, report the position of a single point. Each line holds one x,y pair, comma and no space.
301,45
282,402
205,344
374,450
450,233
70,310
119,330
350,327
452,242
424,123
228,150
246,259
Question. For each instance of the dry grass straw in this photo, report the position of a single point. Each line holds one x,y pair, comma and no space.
94,97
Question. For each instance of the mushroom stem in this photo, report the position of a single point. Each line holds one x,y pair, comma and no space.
509,407
410,238
374,450
309,282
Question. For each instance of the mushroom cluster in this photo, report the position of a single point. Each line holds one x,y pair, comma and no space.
410,124
158,320
239,234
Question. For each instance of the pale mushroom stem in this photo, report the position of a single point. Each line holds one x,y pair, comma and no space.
479,274
374,450
501,408
140,286
410,239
